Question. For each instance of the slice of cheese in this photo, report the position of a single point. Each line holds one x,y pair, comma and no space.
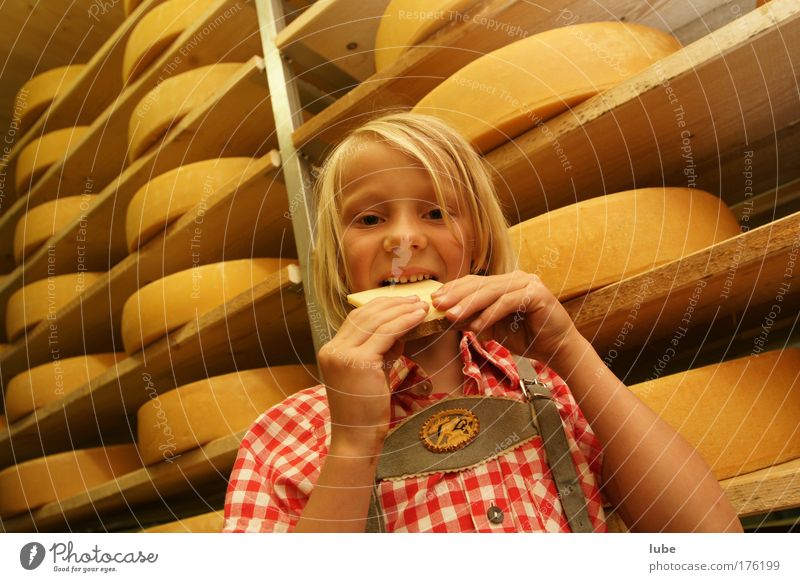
173,99
156,31
172,302
198,413
604,240
407,22
169,196
36,157
211,522
44,221
506,92
35,96
49,382
34,302
740,415
32,484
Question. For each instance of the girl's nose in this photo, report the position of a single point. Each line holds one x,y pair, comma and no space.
405,236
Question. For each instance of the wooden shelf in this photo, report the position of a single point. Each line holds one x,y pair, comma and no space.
772,489
265,326
235,121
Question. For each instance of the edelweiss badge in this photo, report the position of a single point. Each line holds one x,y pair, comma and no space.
449,430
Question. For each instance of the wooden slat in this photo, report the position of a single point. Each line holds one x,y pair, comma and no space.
771,489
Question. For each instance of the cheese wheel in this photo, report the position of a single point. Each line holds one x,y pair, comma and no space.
211,522
44,221
3,423
156,31
198,413
740,415
172,302
603,240
36,157
43,384
407,22
169,196
34,302
36,95
506,92
32,484
130,6
173,99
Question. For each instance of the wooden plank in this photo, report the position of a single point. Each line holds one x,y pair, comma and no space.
771,489
265,326
235,121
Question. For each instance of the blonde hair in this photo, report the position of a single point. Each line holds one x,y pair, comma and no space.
452,165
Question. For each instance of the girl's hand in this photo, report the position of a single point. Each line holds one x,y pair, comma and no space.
515,309
355,365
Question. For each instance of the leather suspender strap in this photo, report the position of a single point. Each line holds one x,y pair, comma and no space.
556,447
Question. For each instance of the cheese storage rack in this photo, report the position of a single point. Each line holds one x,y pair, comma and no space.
316,61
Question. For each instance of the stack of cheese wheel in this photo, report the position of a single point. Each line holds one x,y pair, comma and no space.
506,92
740,415
172,302
49,382
36,157
603,240
36,95
398,32
34,302
44,221
171,101
156,31
198,413
169,196
32,484
211,522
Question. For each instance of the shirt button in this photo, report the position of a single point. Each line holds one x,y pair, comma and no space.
495,514
425,387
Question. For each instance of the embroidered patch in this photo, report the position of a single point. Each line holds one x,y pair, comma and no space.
449,430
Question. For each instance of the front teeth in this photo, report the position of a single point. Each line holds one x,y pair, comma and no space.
411,279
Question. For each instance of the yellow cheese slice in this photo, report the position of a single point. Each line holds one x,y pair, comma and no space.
43,384
36,157
34,302
198,413
407,22
506,92
740,415
35,483
169,196
603,240
44,221
172,302
211,522
156,31
36,95
171,101
423,289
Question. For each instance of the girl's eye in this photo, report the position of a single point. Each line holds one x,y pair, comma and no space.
436,214
369,220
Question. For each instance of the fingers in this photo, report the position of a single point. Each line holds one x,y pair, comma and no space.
390,316
469,295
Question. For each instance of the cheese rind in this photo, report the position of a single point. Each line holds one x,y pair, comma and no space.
740,415
506,92
35,96
44,221
211,522
36,157
169,196
603,240
35,483
49,382
169,303
198,413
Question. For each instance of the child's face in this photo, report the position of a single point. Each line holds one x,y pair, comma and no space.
392,223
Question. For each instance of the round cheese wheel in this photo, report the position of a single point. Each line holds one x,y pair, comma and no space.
603,240
211,522
407,22
44,221
506,92
156,31
740,415
36,95
32,484
169,196
36,157
34,302
43,384
172,302
171,101
198,413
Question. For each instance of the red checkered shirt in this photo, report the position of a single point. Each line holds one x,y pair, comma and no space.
282,454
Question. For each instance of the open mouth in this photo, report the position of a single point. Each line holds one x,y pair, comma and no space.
411,279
